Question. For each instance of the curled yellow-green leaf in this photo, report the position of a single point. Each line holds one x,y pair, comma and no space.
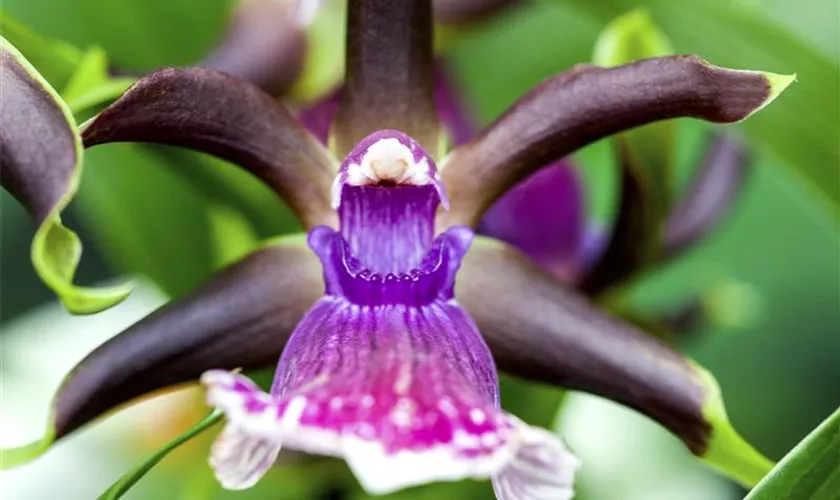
41,166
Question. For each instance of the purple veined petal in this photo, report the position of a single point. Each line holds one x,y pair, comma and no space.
467,11
405,394
450,107
265,43
386,371
587,103
542,216
209,111
388,81
720,177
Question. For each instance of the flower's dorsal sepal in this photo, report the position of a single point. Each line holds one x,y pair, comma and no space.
540,330
388,158
380,388
587,103
181,107
719,178
389,74
41,166
266,43
241,318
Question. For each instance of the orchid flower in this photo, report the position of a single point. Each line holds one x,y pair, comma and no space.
390,325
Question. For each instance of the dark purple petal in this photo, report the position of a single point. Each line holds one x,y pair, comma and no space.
542,216
719,179
264,45
635,237
450,107
208,111
466,11
388,82
318,117
587,103
542,331
241,318
40,162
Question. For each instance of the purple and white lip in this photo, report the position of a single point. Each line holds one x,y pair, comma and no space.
387,371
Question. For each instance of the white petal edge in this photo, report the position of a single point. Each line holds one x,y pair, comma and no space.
534,464
543,469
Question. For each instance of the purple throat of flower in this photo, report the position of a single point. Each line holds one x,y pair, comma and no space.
387,371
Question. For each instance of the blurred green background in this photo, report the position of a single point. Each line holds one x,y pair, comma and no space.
154,209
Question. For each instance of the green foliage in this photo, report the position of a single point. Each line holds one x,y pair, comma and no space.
810,470
119,488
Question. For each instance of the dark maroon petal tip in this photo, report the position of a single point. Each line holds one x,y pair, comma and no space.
587,103
541,331
719,179
219,114
264,45
388,82
241,318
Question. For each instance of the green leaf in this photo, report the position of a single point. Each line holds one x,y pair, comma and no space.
796,128
119,488
91,84
55,60
810,470
323,66
135,33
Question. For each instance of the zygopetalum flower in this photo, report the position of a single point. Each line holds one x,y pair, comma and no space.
379,363
387,370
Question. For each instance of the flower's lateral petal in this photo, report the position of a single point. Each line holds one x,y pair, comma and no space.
388,83
241,318
215,113
719,179
542,216
450,107
587,103
406,395
466,11
634,240
540,330
318,117
40,157
265,43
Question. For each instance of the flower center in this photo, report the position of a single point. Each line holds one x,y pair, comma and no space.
386,194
